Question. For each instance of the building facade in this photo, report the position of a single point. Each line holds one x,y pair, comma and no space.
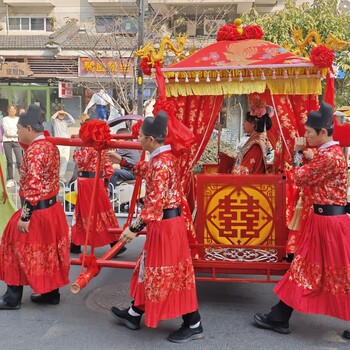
91,42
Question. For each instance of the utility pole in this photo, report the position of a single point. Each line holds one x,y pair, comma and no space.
140,42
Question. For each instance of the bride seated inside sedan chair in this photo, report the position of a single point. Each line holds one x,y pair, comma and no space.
252,157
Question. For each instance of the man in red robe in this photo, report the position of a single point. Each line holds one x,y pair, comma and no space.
163,283
318,280
34,248
86,160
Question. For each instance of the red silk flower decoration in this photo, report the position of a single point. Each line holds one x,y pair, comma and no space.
164,105
228,32
257,108
146,65
322,57
135,129
95,133
253,32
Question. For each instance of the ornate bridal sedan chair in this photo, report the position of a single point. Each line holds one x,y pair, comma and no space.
240,231
241,220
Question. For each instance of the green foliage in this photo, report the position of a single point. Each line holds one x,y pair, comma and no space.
322,15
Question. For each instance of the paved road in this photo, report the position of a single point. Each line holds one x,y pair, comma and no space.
83,321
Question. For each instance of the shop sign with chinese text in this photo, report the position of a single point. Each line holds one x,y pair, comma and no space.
105,67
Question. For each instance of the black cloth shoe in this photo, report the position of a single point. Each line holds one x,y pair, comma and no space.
46,298
263,322
131,322
75,249
186,334
346,334
5,306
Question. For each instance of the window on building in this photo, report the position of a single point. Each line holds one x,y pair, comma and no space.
115,24
105,24
30,23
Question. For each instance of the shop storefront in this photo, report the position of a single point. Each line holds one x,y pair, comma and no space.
34,80
24,94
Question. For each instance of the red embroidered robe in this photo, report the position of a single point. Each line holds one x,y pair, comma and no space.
252,157
318,280
39,258
163,282
86,160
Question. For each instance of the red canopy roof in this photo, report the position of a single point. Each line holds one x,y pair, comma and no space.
240,54
242,67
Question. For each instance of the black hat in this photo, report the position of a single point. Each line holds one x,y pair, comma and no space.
156,127
321,119
33,117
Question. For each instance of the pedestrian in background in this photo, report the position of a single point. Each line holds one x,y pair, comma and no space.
61,120
101,100
10,143
34,248
132,156
318,280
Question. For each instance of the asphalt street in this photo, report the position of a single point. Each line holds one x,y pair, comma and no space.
83,321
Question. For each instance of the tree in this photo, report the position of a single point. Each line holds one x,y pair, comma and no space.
115,38
120,44
323,15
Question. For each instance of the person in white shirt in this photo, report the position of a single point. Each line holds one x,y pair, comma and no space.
60,129
10,143
148,107
101,100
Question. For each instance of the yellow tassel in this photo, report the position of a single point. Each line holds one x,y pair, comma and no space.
294,224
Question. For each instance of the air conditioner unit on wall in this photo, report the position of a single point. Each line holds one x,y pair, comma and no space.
211,26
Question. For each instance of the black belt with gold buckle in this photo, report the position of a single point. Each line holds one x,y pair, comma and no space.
329,210
46,203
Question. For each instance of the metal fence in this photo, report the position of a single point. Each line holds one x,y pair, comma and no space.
119,196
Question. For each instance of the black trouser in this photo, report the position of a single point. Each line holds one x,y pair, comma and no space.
280,312
121,175
13,295
191,318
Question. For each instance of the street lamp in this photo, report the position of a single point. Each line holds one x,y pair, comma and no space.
140,42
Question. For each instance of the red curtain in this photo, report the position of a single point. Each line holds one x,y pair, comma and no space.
288,123
199,114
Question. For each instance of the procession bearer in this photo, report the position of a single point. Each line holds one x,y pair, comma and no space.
34,249
163,283
318,280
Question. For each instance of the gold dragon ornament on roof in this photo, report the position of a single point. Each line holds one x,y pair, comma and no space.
313,38
165,47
